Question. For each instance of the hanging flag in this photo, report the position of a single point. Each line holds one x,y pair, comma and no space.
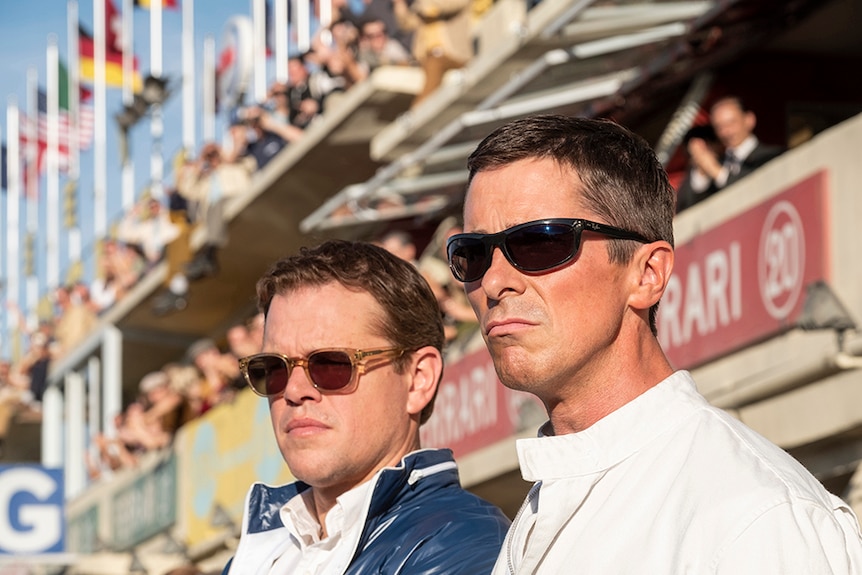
85,111
113,52
113,63
113,28
85,127
145,4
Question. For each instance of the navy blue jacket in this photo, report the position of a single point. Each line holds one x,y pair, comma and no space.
420,521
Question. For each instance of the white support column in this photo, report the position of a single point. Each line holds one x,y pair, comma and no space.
52,427
76,463
94,399
112,378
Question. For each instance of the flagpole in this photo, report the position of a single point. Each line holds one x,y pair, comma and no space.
280,24
258,18
74,232
325,14
52,197
188,76
302,16
13,217
156,123
32,206
209,90
100,161
128,169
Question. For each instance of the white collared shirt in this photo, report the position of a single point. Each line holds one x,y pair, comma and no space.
700,182
669,484
308,554
740,152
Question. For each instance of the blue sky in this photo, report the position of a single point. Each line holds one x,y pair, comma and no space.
24,31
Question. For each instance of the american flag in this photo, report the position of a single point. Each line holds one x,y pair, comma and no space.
85,132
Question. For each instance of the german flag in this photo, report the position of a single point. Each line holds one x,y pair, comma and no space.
145,4
113,63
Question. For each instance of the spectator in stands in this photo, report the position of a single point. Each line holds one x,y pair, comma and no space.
148,228
336,67
743,153
119,269
14,398
260,134
458,316
368,10
33,366
208,185
453,306
367,499
686,195
246,338
377,48
162,403
112,453
174,293
568,312
76,318
399,243
140,433
220,377
274,117
304,103
186,380
442,39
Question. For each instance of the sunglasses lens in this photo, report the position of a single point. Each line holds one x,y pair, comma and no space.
330,370
468,259
541,246
268,375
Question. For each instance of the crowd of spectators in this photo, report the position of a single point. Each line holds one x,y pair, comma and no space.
363,36
172,396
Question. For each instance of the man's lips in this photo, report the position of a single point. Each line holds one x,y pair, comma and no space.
506,326
304,426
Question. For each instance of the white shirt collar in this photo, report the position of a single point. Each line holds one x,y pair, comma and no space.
744,149
613,438
349,510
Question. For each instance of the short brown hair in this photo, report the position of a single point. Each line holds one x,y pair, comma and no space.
622,180
412,317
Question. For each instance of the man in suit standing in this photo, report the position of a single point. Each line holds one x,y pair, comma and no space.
743,152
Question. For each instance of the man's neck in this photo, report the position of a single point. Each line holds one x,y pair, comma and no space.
599,393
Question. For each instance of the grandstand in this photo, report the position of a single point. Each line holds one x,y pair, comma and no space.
787,362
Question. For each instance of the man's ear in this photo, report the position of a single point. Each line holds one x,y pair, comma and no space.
425,370
653,264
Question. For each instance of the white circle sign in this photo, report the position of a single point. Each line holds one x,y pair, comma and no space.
781,259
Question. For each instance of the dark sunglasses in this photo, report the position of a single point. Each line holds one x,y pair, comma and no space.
329,370
531,247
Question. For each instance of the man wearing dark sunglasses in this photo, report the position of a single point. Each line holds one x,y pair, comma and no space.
568,247
350,365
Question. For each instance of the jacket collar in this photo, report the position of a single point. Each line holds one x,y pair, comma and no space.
393,484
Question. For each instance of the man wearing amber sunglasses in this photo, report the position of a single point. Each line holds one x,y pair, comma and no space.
568,247
350,365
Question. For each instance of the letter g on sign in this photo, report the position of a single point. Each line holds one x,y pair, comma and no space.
31,510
